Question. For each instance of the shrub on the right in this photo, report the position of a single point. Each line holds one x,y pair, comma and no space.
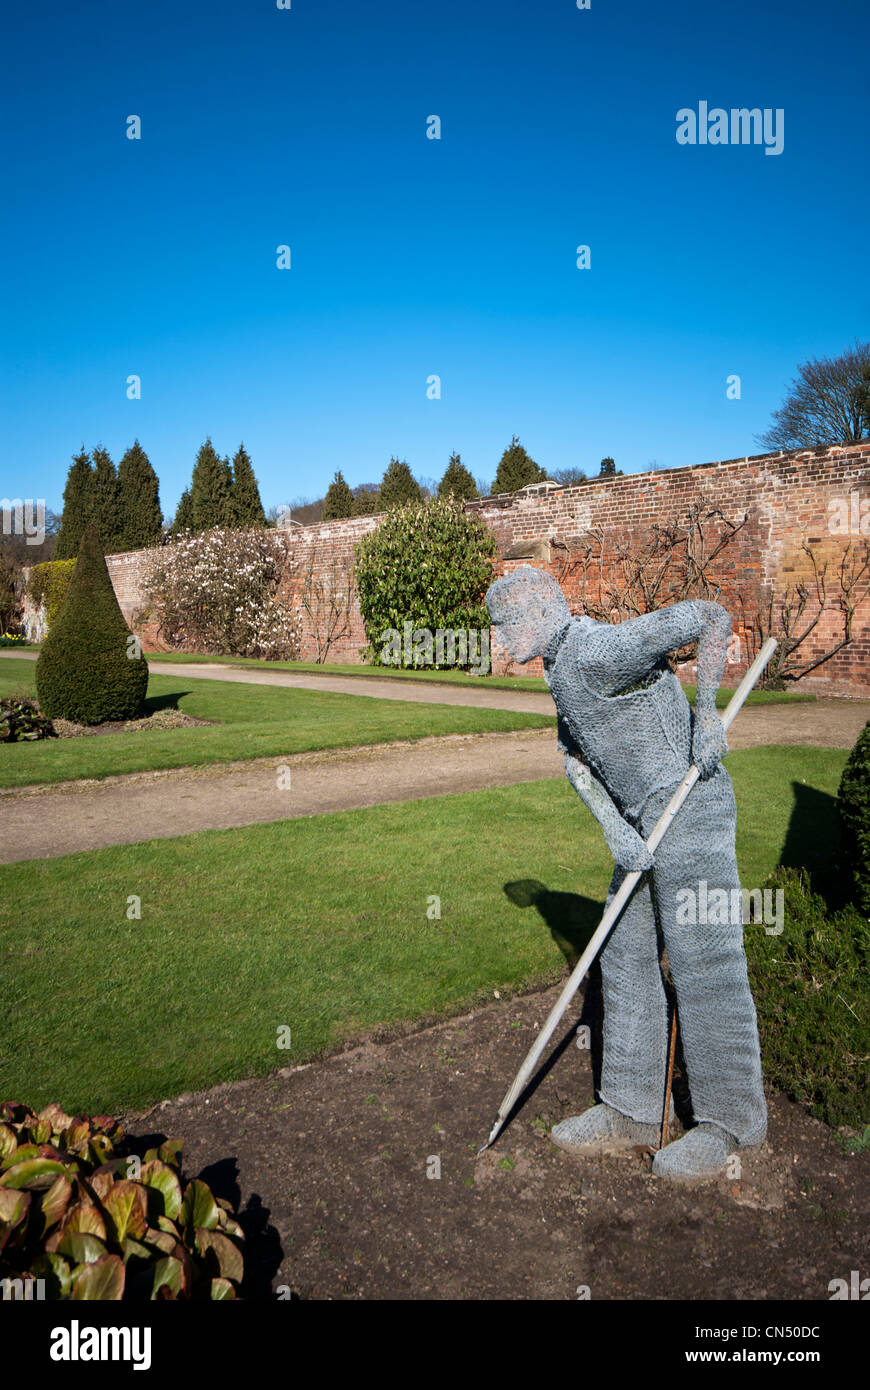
809,986
853,811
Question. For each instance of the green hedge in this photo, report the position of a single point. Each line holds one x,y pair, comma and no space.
810,990
853,810
47,585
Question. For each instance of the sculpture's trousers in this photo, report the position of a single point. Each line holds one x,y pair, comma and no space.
708,964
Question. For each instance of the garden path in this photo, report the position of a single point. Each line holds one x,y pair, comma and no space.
42,822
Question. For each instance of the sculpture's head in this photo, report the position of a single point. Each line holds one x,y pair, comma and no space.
526,609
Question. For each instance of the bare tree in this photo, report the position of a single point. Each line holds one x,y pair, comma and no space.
828,403
675,561
794,616
326,595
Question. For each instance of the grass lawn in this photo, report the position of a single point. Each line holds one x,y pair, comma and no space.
534,683
255,721
320,925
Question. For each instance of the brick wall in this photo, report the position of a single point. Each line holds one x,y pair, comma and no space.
786,498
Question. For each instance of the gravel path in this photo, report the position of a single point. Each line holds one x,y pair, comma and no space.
43,822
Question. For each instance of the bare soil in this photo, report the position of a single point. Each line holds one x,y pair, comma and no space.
161,719
334,1167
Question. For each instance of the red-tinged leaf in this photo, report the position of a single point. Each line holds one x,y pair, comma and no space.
164,1183
104,1279
57,1273
81,1247
125,1205
170,1152
54,1202
221,1288
13,1205
221,1256
8,1142
161,1240
86,1218
56,1116
101,1183
19,1154
13,1208
34,1175
183,1257
76,1135
164,1224
199,1207
169,1276
40,1131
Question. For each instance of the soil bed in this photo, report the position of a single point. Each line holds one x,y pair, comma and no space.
328,1164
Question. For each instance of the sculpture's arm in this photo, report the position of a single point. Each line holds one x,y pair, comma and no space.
628,849
628,651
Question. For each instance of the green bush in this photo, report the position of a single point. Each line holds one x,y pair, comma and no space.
21,720
47,585
809,985
85,672
429,564
94,1221
853,811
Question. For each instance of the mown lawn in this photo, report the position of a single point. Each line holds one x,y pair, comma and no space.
321,926
254,721
534,683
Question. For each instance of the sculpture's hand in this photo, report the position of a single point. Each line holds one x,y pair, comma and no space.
628,849
709,743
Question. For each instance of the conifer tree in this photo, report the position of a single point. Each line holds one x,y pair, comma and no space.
211,489
89,670
516,469
338,501
247,505
77,502
183,519
105,510
141,520
366,499
457,481
399,485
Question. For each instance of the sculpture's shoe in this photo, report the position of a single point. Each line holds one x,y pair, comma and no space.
601,1129
700,1156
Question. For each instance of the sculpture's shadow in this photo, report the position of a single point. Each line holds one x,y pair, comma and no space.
571,919
157,702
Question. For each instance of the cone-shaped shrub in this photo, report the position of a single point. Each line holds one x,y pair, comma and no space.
87,671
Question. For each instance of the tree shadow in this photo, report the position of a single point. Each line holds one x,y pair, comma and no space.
156,702
813,843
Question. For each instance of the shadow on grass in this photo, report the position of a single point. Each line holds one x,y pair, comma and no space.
812,843
571,919
157,702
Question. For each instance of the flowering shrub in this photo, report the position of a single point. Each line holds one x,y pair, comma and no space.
219,592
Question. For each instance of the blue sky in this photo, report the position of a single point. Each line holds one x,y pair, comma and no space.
410,256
